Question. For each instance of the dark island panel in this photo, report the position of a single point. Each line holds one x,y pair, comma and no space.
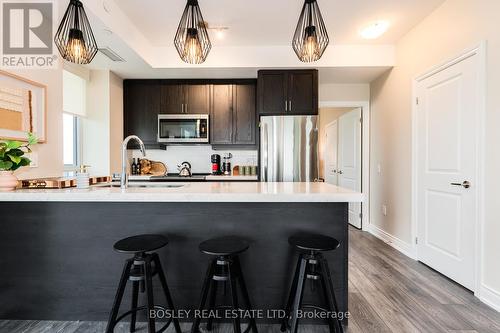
58,264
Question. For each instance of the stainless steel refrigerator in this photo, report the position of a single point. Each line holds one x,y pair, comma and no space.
289,148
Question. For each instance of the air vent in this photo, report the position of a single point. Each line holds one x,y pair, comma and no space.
112,55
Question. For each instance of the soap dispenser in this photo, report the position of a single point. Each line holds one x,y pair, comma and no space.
83,177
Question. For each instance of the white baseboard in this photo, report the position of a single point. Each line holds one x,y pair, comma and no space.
406,248
490,297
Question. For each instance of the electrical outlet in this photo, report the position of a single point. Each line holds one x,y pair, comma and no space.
384,210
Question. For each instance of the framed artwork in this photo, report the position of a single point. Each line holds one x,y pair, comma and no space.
23,108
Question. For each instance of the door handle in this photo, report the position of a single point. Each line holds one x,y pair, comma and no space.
340,172
465,184
335,171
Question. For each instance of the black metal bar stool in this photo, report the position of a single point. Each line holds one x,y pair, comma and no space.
312,266
140,271
224,268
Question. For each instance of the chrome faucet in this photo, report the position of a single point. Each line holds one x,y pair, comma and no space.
124,175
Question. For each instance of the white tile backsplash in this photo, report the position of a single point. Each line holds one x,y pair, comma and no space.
198,156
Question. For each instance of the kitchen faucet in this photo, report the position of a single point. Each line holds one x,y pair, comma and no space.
124,175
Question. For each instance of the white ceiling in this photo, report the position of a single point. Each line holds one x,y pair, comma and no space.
142,31
272,22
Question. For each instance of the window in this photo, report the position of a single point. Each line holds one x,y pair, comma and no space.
71,141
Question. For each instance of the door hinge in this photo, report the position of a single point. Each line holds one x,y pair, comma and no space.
416,240
416,100
360,215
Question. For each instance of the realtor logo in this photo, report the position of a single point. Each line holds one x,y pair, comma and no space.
27,32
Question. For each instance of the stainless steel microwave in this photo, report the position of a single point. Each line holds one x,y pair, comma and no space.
183,128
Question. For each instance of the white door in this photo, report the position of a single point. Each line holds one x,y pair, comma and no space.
446,157
330,153
349,159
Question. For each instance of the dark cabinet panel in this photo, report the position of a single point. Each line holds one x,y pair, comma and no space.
303,92
231,104
197,98
244,114
221,116
272,87
172,98
283,92
141,108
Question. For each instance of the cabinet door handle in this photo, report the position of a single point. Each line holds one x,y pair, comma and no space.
290,105
286,106
186,108
182,108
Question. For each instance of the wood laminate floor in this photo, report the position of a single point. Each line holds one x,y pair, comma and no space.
388,292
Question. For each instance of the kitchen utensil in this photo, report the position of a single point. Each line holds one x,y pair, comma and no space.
184,169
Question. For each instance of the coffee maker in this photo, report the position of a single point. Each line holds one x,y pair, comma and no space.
216,170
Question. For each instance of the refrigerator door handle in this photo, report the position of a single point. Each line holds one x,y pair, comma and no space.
265,152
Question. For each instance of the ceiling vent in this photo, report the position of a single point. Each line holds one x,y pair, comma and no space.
112,55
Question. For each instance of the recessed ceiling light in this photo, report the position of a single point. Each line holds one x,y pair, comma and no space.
374,30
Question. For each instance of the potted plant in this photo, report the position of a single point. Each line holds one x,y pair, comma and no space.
12,158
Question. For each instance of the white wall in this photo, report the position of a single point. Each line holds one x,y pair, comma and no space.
49,155
102,128
329,92
95,126
198,156
455,26
116,121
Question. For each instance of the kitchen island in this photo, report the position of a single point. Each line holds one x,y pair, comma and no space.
58,263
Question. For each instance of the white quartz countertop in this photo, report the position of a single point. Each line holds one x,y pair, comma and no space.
194,192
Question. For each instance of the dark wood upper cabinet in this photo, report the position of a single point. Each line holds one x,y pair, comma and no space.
244,114
221,116
197,98
231,104
233,114
172,98
288,92
272,87
141,108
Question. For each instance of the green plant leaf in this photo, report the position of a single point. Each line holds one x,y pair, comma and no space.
32,139
23,162
14,158
13,144
6,165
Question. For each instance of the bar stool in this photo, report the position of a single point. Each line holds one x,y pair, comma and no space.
140,272
224,267
311,265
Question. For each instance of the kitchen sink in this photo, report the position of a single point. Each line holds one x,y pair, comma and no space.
141,185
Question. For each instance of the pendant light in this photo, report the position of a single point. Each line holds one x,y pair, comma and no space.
191,40
311,38
74,38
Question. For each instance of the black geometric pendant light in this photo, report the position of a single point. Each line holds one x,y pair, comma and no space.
191,40
74,37
310,39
